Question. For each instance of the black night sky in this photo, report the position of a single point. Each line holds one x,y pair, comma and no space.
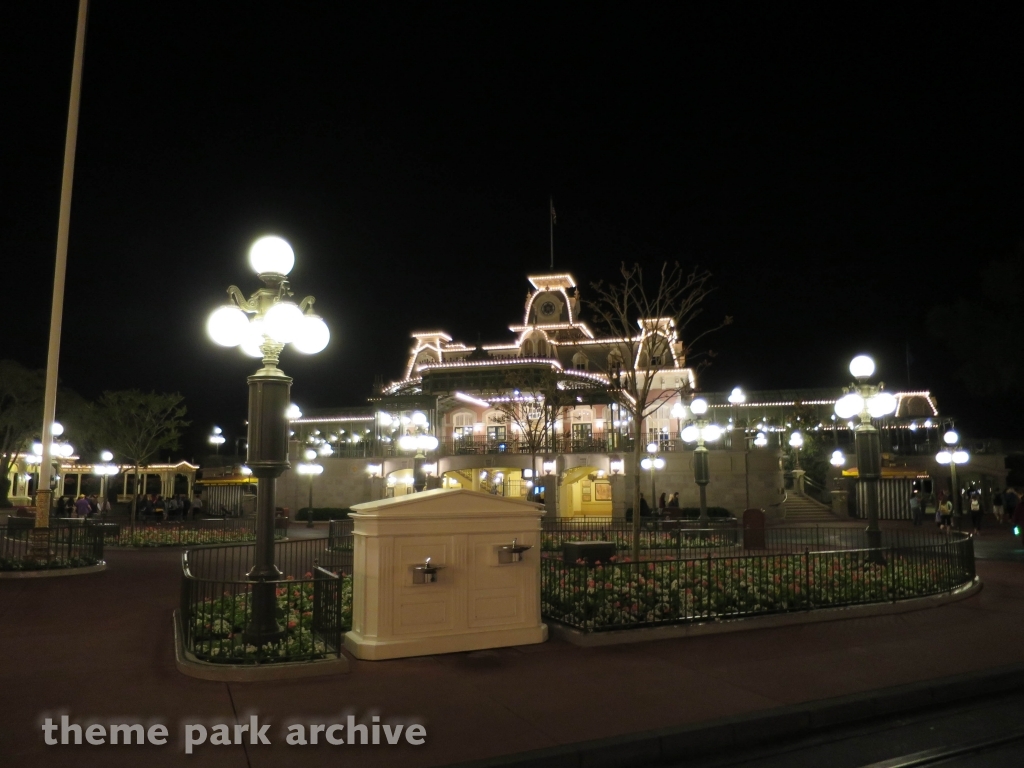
840,174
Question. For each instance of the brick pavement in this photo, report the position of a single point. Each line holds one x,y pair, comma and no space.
100,646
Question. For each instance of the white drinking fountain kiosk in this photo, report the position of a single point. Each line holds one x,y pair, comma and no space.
444,571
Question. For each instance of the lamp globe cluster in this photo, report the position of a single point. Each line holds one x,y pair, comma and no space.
269,315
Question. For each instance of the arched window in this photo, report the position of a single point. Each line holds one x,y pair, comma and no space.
580,362
462,425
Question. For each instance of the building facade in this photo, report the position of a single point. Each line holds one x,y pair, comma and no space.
541,415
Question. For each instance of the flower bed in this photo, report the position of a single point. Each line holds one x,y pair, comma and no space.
176,536
675,539
217,625
618,595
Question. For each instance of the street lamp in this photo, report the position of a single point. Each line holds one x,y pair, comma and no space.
953,457
311,469
838,458
796,442
216,439
261,326
652,463
867,401
700,432
104,471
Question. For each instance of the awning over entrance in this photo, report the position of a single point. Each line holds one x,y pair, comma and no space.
891,472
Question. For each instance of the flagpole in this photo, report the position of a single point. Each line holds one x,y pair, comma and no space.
44,494
551,223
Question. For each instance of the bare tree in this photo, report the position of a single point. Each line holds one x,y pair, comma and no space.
646,320
137,425
533,401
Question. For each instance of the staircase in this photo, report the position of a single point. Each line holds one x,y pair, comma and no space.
803,510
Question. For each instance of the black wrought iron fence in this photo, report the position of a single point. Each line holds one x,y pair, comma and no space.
610,596
339,545
68,546
658,538
313,604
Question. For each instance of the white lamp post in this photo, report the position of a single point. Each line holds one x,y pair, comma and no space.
953,456
651,463
700,432
867,401
216,439
261,326
311,469
796,442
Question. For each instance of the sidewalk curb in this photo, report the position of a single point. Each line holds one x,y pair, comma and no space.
189,665
47,573
675,745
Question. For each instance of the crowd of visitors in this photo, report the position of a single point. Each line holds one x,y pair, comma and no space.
1007,507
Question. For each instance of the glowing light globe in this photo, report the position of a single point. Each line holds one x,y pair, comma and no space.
652,447
384,419
699,406
419,418
57,429
313,335
326,450
838,459
737,396
951,438
943,457
293,412
690,434
227,326
678,411
960,457
711,432
271,255
283,322
761,440
65,450
407,443
310,454
107,456
253,341
647,463
659,463
426,442
881,405
849,405
796,440
862,367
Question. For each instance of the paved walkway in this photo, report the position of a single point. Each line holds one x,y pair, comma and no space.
100,646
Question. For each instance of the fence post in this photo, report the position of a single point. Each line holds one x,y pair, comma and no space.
892,572
807,577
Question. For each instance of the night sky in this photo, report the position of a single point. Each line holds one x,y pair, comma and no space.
839,174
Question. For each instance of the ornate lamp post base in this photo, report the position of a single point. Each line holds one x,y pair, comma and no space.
39,536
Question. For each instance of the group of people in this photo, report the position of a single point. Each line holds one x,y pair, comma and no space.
85,506
1007,506
664,502
177,507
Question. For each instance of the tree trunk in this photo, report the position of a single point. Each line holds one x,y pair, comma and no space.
637,453
135,499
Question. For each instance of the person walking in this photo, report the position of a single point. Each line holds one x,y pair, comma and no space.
916,513
997,506
662,502
674,501
645,508
977,513
1010,501
1018,517
82,506
197,507
945,512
